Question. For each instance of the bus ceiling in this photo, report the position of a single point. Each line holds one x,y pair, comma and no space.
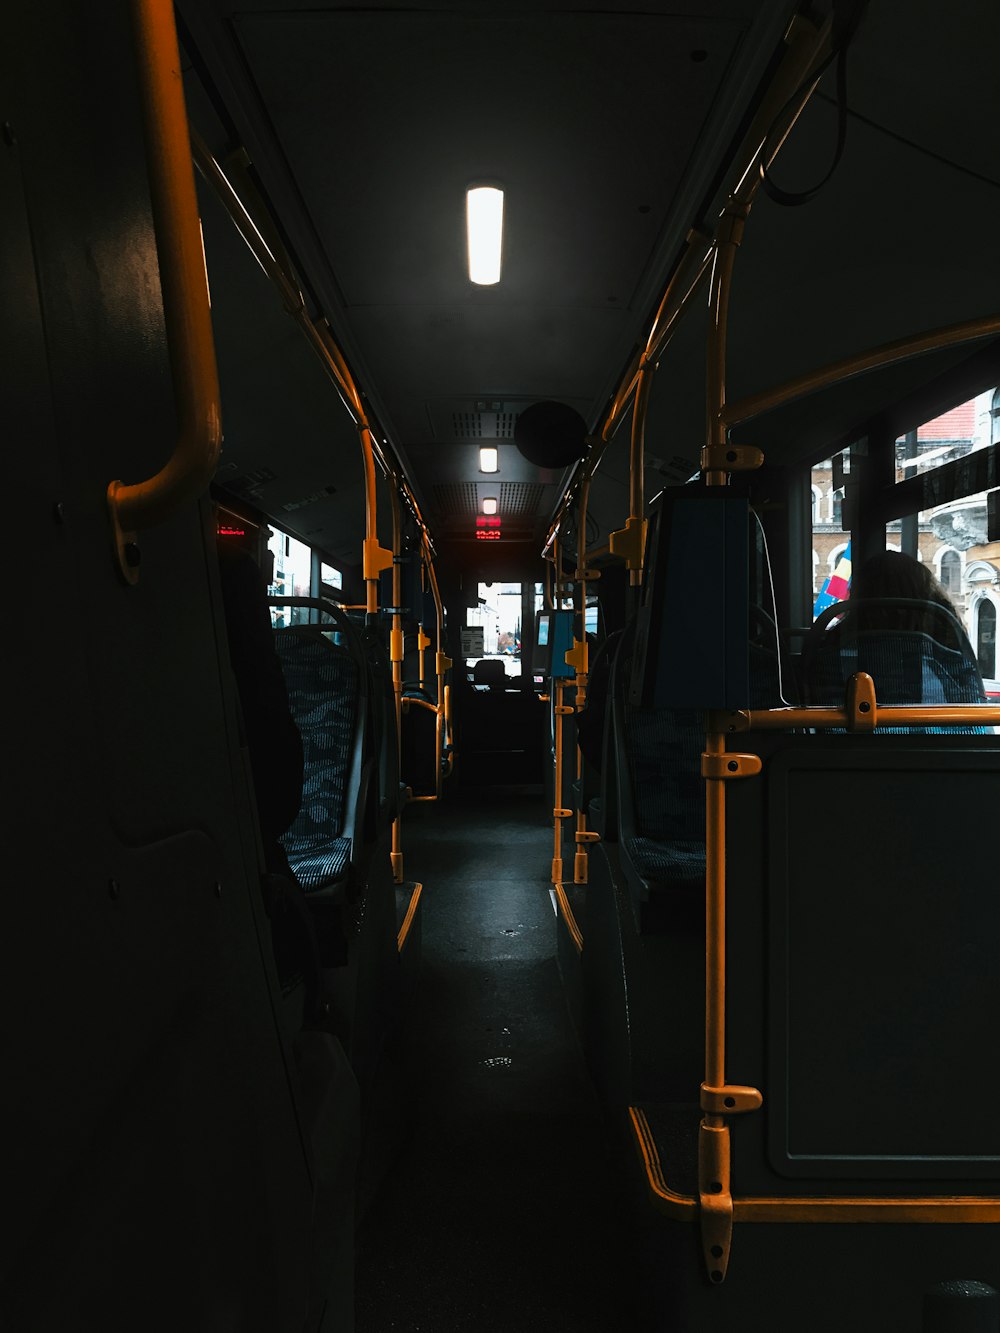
352,135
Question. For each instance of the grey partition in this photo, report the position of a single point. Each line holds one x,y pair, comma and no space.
863,992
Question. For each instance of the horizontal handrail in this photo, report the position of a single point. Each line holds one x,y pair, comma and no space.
849,367
886,715
184,286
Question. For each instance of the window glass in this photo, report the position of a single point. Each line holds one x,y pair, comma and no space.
292,577
331,576
951,539
499,614
831,553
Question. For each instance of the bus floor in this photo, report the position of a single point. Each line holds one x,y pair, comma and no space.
506,1207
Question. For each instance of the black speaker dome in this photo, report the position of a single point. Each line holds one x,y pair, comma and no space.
551,434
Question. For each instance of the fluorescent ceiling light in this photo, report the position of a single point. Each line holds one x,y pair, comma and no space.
489,459
484,222
490,505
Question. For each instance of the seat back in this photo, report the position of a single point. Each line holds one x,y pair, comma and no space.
916,653
325,692
490,671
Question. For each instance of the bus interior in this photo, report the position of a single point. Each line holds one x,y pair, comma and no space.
517,734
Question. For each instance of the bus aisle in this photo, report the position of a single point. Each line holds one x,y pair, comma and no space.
506,1208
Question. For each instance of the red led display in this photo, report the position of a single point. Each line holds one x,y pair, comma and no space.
487,535
228,530
483,521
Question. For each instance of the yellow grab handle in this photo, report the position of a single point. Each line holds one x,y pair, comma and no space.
184,285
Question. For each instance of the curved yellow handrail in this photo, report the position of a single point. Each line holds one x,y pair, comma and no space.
185,293
887,354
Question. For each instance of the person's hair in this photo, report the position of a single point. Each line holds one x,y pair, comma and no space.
893,574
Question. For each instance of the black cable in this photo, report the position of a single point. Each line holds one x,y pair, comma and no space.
910,143
846,17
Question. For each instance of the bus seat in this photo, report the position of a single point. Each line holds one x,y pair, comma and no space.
324,685
908,665
490,671
661,794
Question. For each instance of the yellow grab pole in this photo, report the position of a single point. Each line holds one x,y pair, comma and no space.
441,666
558,813
396,658
184,285
714,1144
582,664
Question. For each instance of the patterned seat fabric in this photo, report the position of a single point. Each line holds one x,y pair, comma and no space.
908,667
322,685
324,865
668,862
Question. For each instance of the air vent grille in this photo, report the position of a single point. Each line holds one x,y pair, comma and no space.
520,499
456,499
249,483
483,425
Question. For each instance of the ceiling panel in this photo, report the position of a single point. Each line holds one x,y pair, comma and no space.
387,116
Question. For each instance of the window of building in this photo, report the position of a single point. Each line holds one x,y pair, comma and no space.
951,573
986,639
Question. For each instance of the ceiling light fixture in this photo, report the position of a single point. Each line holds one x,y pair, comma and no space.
489,459
484,224
490,505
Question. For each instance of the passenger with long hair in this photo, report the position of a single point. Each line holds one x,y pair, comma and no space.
891,574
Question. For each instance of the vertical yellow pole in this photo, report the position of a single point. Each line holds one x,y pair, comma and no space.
557,811
396,658
422,639
557,715
441,665
582,661
714,1143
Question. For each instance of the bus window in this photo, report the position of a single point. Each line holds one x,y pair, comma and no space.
292,577
330,577
951,538
499,615
831,555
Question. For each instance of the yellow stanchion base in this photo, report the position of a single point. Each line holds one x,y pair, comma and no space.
557,870
396,860
580,868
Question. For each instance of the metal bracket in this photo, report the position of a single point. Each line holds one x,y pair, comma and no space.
423,641
375,558
127,556
715,1199
730,458
576,657
730,1099
564,710
862,710
726,720
586,575
396,644
441,664
730,765
559,813
588,836
629,542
